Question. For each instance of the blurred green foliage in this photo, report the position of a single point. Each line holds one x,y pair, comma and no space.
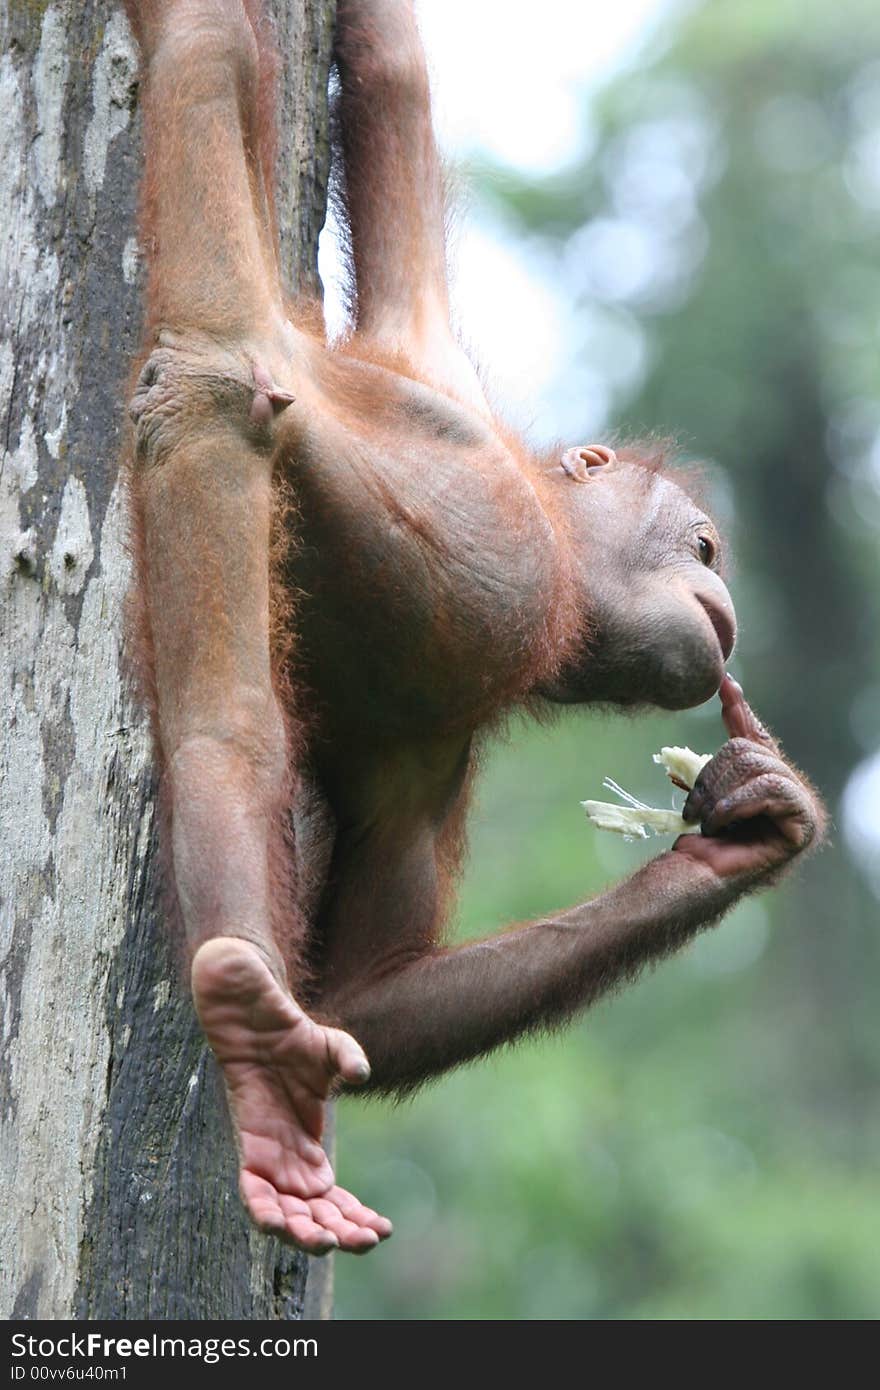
705,1145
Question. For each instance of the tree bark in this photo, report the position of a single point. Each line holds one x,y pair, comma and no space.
117,1170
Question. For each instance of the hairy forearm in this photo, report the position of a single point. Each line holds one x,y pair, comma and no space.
203,496
371,33
384,122
453,1005
227,811
757,816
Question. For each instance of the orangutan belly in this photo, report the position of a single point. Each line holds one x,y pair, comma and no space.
427,570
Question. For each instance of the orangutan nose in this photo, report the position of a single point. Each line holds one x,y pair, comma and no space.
722,618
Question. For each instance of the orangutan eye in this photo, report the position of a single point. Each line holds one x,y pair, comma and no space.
708,550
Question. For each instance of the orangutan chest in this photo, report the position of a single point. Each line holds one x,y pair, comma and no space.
426,572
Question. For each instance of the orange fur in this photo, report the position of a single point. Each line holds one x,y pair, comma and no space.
339,597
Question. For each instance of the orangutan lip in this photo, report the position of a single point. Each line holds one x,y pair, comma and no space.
725,628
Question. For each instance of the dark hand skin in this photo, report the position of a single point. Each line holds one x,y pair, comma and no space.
440,574
757,813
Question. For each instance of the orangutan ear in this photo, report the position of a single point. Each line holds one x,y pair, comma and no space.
586,460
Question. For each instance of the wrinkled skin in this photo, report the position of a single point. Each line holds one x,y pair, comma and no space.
755,811
662,621
438,574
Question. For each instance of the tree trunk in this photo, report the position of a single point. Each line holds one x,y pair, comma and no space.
117,1171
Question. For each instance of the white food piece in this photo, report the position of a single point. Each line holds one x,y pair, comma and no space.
683,763
634,820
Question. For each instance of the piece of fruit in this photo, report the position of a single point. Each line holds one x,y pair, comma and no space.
634,819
